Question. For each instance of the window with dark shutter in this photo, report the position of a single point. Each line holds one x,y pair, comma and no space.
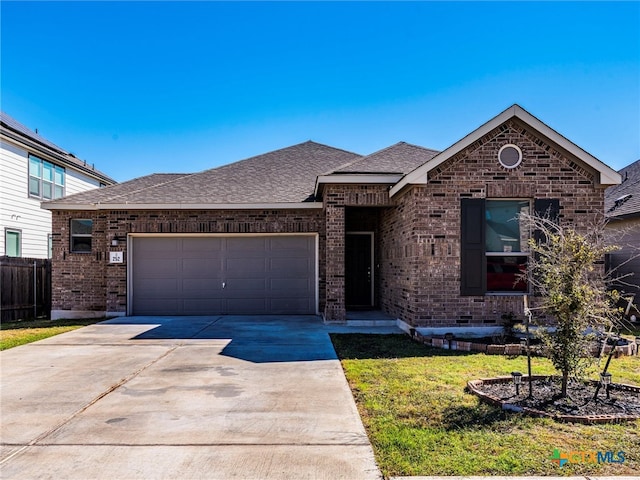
494,248
506,245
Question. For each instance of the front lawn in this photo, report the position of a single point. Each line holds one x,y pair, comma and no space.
13,334
421,422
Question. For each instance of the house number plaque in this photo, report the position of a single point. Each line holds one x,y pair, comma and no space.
116,257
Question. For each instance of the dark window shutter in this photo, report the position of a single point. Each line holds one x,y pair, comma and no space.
473,267
546,208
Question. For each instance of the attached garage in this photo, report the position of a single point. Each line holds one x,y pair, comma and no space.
220,275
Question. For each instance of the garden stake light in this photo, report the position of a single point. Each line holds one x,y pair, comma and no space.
637,345
605,379
448,337
528,315
517,381
606,367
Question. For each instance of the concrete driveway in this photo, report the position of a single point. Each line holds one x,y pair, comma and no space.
188,397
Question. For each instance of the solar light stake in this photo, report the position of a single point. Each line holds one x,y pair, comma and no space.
517,381
448,337
637,345
528,315
605,379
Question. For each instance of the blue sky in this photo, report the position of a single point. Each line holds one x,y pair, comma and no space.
143,87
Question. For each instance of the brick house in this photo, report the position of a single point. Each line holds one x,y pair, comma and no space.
427,237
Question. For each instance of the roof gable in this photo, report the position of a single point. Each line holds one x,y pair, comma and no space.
607,176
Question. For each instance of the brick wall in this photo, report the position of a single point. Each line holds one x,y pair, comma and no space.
89,282
337,198
421,236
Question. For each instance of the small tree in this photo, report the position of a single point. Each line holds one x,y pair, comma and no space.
566,271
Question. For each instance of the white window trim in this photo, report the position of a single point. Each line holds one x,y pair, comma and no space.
6,243
80,235
41,180
509,254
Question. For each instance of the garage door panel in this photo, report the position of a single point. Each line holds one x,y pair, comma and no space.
288,286
156,306
210,245
261,275
151,287
290,305
246,306
285,244
201,268
245,287
202,288
156,247
195,306
290,267
164,268
245,267
249,245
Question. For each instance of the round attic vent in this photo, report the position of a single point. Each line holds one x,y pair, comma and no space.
510,156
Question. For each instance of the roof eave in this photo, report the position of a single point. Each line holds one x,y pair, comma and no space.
357,178
59,157
53,205
607,176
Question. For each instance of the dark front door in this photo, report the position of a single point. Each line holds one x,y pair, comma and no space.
359,270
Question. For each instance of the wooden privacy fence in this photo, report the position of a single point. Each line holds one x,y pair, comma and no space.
25,288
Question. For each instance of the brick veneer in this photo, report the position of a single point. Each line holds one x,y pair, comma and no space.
88,282
421,236
336,199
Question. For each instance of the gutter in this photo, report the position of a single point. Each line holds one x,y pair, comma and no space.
181,206
57,156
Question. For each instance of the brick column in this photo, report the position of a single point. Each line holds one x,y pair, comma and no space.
334,309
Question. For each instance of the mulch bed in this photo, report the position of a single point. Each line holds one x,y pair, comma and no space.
579,406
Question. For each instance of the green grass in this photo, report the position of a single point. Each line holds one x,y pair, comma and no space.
13,334
421,422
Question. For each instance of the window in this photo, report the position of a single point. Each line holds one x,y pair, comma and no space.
46,180
81,235
13,243
510,156
493,246
506,247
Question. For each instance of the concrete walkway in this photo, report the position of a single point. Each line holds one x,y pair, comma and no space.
197,397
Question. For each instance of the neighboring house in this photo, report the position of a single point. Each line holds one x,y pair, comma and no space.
427,237
33,169
622,207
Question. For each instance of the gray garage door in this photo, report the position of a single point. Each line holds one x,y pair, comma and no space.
223,275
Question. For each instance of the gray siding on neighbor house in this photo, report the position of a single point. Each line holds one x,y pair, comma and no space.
626,261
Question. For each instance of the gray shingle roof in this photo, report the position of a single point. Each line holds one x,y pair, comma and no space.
283,176
10,125
624,200
112,193
400,158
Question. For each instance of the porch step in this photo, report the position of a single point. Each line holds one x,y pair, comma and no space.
370,318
